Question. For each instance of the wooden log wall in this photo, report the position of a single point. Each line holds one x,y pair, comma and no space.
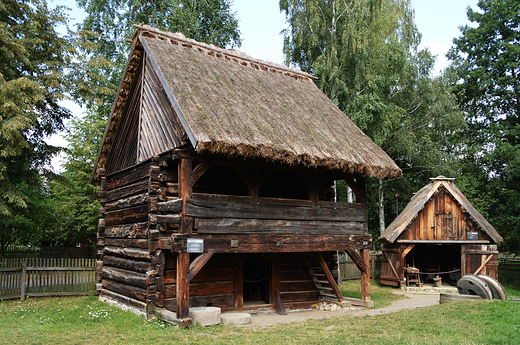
212,286
131,267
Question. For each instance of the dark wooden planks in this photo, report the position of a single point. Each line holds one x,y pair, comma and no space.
294,227
258,243
213,206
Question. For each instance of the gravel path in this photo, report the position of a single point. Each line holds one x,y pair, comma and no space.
412,301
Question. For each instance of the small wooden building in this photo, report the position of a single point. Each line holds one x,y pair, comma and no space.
217,180
439,231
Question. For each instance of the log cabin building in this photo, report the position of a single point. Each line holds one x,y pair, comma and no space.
438,231
217,182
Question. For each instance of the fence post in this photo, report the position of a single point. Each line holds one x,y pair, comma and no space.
22,281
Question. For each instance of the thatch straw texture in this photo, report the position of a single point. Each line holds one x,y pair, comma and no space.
242,108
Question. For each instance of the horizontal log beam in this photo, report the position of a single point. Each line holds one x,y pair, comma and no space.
128,215
124,276
126,264
127,242
169,219
293,227
217,206
133,253
228,243
131,302
134,230
443,241
170,205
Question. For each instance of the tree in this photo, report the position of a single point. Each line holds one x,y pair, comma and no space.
365,55
485,59
32,81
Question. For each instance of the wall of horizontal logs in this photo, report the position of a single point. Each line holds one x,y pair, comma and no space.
140,234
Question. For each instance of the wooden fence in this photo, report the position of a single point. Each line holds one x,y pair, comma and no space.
348,269
41,277
48,252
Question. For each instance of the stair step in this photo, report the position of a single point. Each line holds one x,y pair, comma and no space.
329,295
325,288
322,281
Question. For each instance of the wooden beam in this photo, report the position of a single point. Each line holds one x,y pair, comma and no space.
483,264
183,258
267,243
198,263
183,286
358,260
365,276
239,281
199,171
407,249
216,206
329,276
442,241
356,188
170,206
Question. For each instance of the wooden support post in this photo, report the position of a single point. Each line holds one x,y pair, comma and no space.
183,286
23,279
239,280
365,276
463,261
275,281
183,259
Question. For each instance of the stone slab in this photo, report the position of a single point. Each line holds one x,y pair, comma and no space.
236,318
455,297
206,316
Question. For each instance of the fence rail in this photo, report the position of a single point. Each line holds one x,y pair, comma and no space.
37,277
23,252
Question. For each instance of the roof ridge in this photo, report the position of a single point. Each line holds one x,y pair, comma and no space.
232,55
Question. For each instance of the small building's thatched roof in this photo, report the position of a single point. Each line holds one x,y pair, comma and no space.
233,105
419,200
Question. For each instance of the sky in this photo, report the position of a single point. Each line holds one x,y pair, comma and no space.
261,24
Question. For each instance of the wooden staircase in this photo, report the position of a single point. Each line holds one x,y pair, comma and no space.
322,277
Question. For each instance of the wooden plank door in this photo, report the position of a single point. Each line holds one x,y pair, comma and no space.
391,265
482,259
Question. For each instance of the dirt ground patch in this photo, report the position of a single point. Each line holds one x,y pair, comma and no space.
412,300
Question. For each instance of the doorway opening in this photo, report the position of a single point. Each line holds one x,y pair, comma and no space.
257,274
432,260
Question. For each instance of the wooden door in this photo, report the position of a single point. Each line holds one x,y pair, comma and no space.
482,259
392,265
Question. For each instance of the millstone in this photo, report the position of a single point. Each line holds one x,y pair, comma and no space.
471,284
206,316
236,318
496,288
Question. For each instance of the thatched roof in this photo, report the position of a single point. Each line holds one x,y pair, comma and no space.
234,105
419,200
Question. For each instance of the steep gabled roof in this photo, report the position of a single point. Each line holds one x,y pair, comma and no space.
420,199
228,103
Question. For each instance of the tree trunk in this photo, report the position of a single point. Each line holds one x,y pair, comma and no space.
381,207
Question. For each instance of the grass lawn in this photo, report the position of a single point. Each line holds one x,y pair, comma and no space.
382,295
85,320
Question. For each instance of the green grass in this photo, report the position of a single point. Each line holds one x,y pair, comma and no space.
85,320
382,295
